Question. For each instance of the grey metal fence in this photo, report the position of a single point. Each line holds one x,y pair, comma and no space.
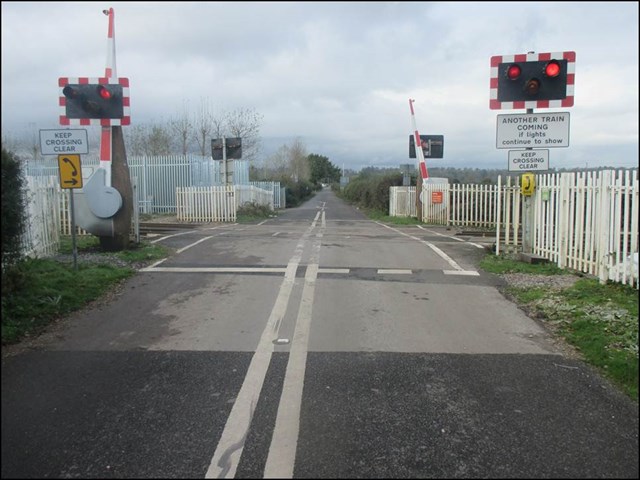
157,177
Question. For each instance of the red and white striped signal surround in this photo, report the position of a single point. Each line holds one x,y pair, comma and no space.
495,104
105,122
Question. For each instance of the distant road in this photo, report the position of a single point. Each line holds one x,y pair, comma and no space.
318,344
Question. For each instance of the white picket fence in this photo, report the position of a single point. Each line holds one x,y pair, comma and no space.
583,221
589,222
467,205
218,203
42,235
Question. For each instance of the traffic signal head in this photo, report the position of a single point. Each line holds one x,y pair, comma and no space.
233,148
527,81
94,101
532,80
432,146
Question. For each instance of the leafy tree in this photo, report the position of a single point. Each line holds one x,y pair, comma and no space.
322,170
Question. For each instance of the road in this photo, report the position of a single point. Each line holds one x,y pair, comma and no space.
317,344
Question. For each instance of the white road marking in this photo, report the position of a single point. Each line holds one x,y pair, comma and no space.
229,450
170,236
153,265
451,237
470,273
440,234
180,250
394,271
152,268
189,231
333,270
440,253
284,441
220,226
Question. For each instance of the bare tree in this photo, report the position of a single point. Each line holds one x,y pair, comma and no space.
276,165
204,126
10,142
33,141
288,161
245,123
182,126
298,162
137,140
150,139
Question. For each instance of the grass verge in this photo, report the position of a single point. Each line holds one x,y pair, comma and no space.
36,292
599,320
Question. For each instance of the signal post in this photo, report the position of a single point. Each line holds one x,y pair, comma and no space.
528,81
106,202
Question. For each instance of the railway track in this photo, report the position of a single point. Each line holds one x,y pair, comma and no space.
161,227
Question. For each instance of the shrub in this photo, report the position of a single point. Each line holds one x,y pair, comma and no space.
14,209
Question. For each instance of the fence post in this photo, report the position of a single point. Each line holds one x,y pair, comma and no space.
603,220
498,212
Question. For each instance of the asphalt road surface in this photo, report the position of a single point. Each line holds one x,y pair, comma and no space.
317,344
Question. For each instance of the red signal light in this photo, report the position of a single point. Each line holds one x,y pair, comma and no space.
552,69
513,72
104,92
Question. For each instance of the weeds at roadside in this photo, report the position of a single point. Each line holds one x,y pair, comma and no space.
250,212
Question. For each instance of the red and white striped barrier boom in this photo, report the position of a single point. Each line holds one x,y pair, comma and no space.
109,72
423,165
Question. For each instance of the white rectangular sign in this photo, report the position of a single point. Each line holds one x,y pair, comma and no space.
533,130
528,160
58,142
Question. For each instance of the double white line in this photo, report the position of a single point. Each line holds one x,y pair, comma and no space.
281,457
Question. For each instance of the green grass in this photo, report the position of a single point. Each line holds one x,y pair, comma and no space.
599,320
501,264
36,292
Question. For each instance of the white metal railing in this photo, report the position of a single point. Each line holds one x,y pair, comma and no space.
157,177
402,202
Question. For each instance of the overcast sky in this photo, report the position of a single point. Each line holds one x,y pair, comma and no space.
337,75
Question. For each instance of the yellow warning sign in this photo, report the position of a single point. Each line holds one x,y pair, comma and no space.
70,171
527,183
